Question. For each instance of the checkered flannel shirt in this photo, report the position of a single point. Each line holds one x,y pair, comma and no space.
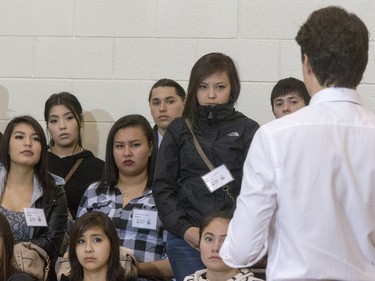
148,245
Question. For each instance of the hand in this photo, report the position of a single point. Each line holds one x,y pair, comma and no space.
191,236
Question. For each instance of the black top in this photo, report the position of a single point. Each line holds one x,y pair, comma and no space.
90,170
180,194
64,278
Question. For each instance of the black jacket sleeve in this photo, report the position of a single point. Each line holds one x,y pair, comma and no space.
51,237
165,186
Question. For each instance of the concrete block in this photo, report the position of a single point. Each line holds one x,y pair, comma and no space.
367,94
369,75
27,96
272,19
94,18
257,60
119,18
153,58
95,137
135,18
73,58
37,17
290,60
254,101
197,19
113,99
16,57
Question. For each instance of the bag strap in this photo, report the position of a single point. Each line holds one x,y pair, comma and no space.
204,157
198,146
73,169
45,257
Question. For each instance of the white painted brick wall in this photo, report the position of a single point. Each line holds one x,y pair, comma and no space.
110,52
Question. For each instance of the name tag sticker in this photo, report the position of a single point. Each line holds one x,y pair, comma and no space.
35,217
145,219
217,178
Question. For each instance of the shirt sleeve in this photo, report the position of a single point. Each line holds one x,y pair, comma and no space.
84,203
246,242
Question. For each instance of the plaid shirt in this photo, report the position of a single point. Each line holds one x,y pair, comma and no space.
148,245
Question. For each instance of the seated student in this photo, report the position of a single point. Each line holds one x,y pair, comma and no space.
8,271
94,251
288,95
66,156
212,232
26,183
166,101
124,195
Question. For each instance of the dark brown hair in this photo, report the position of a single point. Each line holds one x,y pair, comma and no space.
111,171
336,43
70,102
41,168
165,82
224,214
290,85
206,66
87,221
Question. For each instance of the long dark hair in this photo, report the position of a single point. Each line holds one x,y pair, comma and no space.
6,256
69,101
87,221
41,168
111,171
206,66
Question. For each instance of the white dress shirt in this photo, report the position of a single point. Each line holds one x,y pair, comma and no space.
308,194
160,138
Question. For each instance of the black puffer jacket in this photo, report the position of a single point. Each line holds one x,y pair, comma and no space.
180,194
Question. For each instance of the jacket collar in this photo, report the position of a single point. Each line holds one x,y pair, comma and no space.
37,188
217,112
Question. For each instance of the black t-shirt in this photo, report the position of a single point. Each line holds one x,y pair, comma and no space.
90,170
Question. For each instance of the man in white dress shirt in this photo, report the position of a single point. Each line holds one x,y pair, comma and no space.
308,191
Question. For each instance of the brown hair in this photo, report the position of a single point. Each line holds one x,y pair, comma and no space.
206,66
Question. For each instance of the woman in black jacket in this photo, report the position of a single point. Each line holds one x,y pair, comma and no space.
182,196
26,183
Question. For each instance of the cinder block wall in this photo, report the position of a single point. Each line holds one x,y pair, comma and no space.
109,52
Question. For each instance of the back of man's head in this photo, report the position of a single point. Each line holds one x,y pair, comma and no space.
336,44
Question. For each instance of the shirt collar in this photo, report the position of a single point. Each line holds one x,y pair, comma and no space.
336,95
37,188
160,138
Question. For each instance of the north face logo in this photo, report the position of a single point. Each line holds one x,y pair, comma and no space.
233,134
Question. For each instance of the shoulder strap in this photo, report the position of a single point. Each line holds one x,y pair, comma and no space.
73,169
198,146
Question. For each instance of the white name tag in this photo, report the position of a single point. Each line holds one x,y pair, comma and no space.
35,217
217,178
145,219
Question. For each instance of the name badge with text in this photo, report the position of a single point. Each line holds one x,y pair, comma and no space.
35,217
217,178
145,219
